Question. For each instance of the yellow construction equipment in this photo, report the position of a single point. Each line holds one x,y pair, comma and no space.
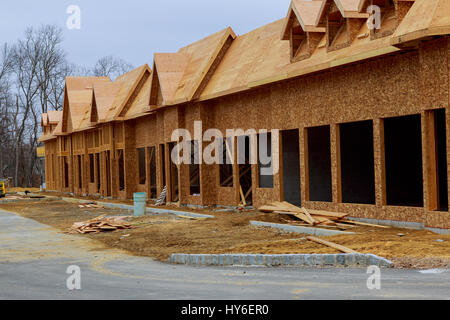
2,189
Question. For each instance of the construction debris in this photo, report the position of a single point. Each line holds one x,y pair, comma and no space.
100,224
162,197
90,205
314,217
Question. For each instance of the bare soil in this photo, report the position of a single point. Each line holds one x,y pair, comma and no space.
161,235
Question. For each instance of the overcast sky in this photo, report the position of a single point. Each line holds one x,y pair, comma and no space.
134,29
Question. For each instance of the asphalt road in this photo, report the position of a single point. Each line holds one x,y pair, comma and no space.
34,259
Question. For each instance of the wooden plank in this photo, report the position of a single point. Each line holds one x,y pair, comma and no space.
243,202
297,210
365,224
289,207
429,132
313,221
331,245
268,208
327,213
300,216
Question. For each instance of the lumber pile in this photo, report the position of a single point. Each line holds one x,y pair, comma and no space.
313,217
100,224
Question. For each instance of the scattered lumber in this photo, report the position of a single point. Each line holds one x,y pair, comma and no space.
91,205
100,224
365,224
191,217
331,245
314,217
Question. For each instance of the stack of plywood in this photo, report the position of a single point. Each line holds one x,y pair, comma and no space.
313,217
100,224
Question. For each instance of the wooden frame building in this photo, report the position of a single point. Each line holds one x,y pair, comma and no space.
363,115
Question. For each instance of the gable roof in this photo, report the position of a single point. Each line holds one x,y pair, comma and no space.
104,97
181,75
54,117
128,83
425,18
223,64
347,8
307,12
255,55
77,103
202,55
140,104
49,118
350,8
169,69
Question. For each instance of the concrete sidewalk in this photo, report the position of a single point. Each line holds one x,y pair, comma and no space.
34,259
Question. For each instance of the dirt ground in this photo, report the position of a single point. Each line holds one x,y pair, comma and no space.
161,235
33,190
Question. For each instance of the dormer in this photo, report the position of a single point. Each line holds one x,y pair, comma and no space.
302,28
392,13
343,19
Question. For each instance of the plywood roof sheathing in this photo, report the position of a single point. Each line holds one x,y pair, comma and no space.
425,18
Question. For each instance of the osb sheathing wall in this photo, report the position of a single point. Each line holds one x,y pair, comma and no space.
401,84
405,83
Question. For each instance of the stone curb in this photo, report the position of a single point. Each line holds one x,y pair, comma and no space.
300,229
274,260
402,224
131,208
30,200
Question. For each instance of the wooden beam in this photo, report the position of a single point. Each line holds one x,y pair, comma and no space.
430,150
365,224
331,245
243,202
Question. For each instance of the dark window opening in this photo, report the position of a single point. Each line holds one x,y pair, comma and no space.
121,171
194,169
265,161
108,173
403,159
357,162
319,164
163,164
441,158
91,169
226,160
152,164
291,166
98,171
80,176
66,173
141,160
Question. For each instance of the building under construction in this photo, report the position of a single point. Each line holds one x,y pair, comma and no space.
359,89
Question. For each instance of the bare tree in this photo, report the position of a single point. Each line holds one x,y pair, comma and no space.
110,66
40,68
32,82
52,66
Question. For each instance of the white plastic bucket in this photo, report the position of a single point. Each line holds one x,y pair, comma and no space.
140,203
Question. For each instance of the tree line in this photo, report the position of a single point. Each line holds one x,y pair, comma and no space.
32,79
